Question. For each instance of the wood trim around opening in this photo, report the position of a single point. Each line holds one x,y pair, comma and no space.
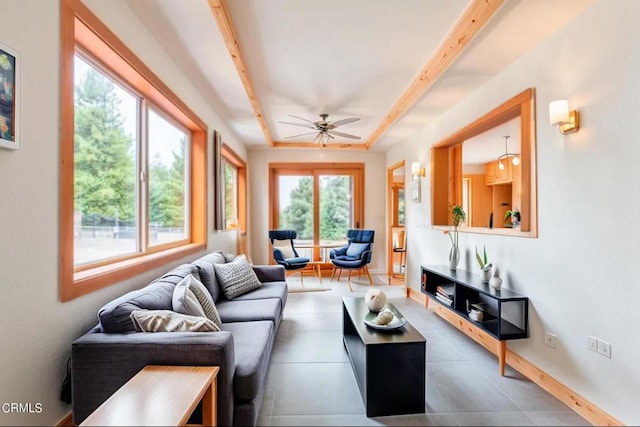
241,168
78,25
313,170
446,165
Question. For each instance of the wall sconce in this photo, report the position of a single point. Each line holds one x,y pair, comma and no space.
559,114
417,170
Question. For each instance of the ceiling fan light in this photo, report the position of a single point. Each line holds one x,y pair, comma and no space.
500,165
515,161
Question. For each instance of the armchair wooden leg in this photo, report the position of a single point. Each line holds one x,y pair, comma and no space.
339,273
366,269
301,278
333,272
349,281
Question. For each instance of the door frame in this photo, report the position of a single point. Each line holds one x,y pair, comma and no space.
391,212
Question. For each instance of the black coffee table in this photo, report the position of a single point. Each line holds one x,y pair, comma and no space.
389,365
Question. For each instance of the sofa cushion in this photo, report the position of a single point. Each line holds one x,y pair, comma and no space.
253,342
175,275
236,277
192,298
268,290
170,321
115,316
250,310
208,274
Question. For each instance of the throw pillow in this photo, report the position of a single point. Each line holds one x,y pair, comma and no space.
192,298
285,248
229,257
236,277
356,249
170,321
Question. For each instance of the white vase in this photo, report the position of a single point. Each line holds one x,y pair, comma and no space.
485,275
454,257
495,282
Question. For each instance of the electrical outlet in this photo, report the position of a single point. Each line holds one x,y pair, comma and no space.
550,339
604,348
593,343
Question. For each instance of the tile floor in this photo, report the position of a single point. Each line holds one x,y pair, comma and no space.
310,381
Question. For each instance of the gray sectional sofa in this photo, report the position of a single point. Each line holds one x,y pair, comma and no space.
112,352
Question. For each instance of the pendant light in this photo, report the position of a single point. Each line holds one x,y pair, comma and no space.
515,159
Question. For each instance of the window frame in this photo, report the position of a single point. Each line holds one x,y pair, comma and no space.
314,170
232,158
81,28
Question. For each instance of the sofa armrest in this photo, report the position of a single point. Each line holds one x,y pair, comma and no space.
101,363
269,273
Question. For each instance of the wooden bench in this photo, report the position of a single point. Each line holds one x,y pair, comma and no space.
160,395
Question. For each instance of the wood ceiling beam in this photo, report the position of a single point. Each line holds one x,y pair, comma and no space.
474,18
315,145
221,13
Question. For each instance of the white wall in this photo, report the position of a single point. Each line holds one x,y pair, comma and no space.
375,177
37,329
581,274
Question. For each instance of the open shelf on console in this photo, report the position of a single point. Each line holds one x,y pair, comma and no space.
505,313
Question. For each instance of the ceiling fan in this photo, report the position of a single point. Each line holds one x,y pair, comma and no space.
323,129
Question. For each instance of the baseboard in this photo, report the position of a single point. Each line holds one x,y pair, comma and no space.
579,404
67,421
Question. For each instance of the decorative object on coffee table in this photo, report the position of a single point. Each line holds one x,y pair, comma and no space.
384,317
375,299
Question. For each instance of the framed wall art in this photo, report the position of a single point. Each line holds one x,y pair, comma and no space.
9,98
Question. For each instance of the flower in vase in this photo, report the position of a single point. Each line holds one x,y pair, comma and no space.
458,216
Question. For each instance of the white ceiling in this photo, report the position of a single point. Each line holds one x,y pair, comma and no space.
347,58
487,146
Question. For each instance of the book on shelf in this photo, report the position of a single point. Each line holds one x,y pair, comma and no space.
445,290
444,295
444,299
478,306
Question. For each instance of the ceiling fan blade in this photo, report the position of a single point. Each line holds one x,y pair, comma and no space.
301,118
345,121
342,134
317,137
299,124
302,134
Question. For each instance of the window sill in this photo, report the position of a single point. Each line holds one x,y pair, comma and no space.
92,279
486,230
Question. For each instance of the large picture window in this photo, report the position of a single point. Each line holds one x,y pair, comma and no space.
320,201
133,162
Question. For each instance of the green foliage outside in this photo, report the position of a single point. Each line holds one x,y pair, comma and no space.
103,153
335,208
166,191
104,161
229,194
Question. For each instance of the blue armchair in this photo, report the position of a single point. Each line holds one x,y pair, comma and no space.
356,255
284,252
